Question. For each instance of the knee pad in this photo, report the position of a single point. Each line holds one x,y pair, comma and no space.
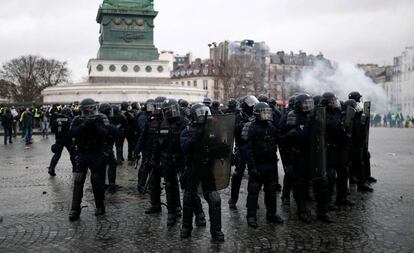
253,188
79,178
214,198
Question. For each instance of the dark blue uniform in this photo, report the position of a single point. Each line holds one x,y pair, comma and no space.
239,156
193,179
89,134
261,155
60,127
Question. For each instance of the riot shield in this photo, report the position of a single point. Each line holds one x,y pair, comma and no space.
349,120
366,119
318,144
212,153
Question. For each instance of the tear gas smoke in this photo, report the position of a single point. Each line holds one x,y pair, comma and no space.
341,79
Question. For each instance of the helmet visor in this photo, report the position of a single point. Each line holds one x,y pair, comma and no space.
251,101
266,114
171,112
334,103
308,105
89,110
150,107
201,113
158,107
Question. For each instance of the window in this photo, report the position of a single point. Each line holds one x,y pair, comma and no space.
188,83
216,84
182,83
195,83
205,84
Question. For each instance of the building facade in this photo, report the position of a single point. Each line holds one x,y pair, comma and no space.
402,90
284,71
200,74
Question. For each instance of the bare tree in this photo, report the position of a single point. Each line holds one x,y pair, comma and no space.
242,75
27,76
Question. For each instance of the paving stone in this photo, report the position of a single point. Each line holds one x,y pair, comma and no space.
31,221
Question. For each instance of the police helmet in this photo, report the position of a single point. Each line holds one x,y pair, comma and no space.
291,102
199,112
135,106
106,109
115,109
272,102
330,100
183,103
171,109
262,112
158,102
247,104
207,102
66,112
317,100
263,98
232,104
88,107
124,106
304,103
215,104
355,95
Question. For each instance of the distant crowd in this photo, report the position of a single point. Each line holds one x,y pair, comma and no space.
394,120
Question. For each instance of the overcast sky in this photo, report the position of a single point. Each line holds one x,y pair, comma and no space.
358,31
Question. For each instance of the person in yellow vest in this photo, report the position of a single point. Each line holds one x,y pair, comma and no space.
36,116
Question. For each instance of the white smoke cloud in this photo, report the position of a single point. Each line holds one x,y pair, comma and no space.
342,79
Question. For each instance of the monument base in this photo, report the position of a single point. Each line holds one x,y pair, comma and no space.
116,81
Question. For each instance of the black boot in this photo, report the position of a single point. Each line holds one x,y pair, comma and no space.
171,219
252,222
364,188
153,209
214,201
324,217
98,188
185,232
74,215
99,211
51,171
274,218
187,223
200,220
79,180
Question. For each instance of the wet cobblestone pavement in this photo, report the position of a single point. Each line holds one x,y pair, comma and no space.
34,211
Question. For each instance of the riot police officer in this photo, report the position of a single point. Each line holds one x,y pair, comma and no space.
207,102
360,149
334,142
60,127
170,157
261,153
365,155
298,131
189,138
215,108
232,106
184,109
131,131
89,131
286,155
147,144
348,113
120,121
144,149
246,115
110,159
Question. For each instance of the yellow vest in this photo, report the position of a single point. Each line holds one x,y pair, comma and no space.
36,113
21,116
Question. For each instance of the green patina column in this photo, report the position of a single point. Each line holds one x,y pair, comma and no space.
127,30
